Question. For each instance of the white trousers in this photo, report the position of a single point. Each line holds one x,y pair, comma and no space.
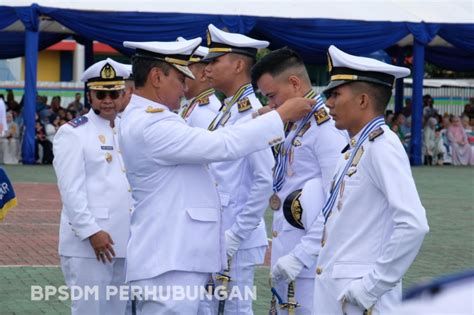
158,293
304,288
82,272
242,274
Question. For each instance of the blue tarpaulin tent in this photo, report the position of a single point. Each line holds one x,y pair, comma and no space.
309,27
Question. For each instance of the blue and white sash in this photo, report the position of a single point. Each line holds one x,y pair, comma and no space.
244,91
371,126
283,153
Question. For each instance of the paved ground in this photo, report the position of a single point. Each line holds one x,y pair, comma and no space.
28,236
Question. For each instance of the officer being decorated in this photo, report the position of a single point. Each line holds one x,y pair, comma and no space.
95,193
175,231
374,222
310,151
202,104
244,184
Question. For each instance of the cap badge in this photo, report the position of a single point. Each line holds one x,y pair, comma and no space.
107,72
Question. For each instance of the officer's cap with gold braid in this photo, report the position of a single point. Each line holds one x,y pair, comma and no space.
345,68
129,75
220,43
175,53
105,75
198,54
292,209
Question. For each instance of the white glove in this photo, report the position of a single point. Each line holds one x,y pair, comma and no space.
357,294
232,243
287,268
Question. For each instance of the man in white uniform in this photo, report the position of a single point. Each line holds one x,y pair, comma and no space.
244,184
310,150
95,193
176,237
374,220
202,104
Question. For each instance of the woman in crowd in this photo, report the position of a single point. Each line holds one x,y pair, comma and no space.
461,150
433,148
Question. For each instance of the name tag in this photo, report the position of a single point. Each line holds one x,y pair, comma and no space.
107,147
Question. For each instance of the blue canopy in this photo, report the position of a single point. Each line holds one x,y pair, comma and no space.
310,37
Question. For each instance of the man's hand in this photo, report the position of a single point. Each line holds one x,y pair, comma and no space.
357,294
287,268
295,108
232,243
102,244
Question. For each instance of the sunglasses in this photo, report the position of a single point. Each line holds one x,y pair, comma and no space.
115,94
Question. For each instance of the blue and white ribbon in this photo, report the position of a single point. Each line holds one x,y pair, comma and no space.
371,126
283,156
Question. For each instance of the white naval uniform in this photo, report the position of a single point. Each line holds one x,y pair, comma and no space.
202,113
244,187
96,196
176,224
314,155
374,232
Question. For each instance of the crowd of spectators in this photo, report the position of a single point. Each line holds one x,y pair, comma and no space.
49,117
447,139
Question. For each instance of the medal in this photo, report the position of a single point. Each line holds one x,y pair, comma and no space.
108,157
323,238
275,202
102,139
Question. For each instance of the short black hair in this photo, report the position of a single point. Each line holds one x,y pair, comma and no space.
380,94
141,67
275,62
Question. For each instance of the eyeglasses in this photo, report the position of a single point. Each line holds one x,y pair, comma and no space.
115,94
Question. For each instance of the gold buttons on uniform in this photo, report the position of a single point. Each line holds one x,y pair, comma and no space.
353,142
130,189
123,170
130,210
319,270
275,233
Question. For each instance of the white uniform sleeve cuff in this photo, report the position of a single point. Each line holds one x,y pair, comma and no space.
307,259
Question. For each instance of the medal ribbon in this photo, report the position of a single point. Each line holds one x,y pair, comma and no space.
282,156
243,91
189,109
371,126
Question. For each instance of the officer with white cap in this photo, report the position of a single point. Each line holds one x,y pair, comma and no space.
244,184
202,103
310,150
374,222
95,193
129,86
175,232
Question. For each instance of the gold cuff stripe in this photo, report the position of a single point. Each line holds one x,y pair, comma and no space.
344,77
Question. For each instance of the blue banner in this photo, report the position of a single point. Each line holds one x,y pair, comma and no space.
7,194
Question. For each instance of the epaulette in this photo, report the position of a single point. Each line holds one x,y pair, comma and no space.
150,109
321,116
292,209
76,122
203,101
244,105
374,134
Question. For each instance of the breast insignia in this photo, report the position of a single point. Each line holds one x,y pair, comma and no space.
203,101
376,133
244,105
150,109
321,116
76,122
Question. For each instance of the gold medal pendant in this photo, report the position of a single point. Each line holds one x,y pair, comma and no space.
275,202
108,157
